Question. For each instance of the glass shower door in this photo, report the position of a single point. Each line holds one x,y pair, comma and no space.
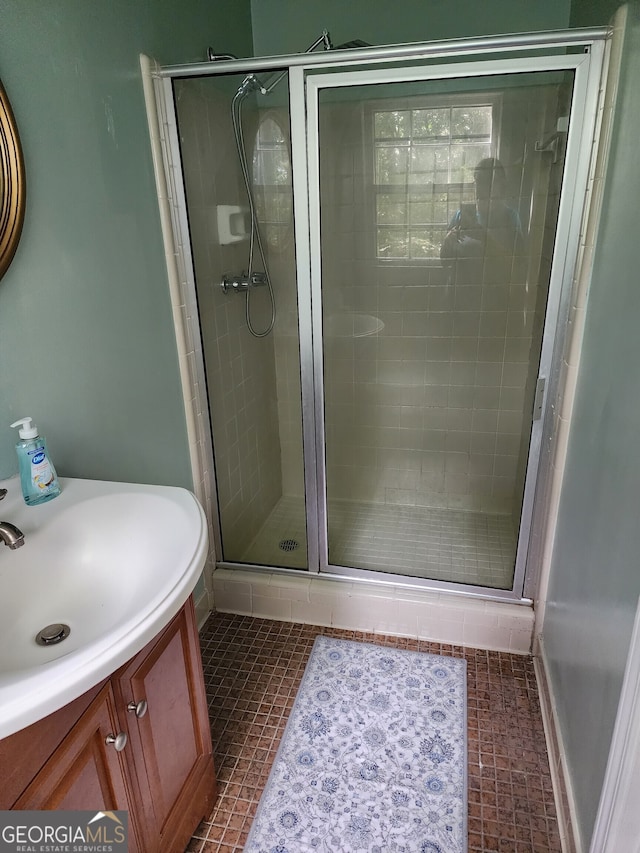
437,212
250,347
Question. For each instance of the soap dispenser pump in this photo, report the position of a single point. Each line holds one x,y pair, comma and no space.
38,477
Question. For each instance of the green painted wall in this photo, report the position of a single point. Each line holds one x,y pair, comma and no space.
595,582
86,334
592,13
288,26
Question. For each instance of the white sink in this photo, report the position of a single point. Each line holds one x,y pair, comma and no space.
112,561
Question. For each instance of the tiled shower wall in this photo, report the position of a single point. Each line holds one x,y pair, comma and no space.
240,369
433,410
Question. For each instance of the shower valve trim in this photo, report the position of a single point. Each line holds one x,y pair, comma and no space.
243,282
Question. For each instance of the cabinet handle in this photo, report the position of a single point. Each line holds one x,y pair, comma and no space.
139,708
119,741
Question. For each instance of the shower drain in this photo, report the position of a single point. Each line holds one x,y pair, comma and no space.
288,544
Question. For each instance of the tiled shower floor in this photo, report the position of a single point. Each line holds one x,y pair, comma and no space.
252,671
440,544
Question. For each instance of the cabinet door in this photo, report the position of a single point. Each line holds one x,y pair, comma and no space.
85,772
171,739
22,754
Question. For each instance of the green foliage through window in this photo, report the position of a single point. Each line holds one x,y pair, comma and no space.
423,170
272,182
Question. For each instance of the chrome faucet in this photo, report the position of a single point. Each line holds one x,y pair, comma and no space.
10,535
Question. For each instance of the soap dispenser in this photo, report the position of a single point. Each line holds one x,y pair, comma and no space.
37,475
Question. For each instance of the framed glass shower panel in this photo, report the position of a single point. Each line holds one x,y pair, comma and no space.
439,231
252,371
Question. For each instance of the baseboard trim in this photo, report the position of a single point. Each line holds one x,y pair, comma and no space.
562,790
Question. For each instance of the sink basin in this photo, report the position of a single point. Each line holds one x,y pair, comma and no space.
112,561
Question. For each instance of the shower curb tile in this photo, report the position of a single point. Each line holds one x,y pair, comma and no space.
232,609
266,590
311,614
513,621
520,642
482,636
289,582
320,585
407,630
295,593
484,618
235,600
268,607
351,621
324,601
506,627
419,599
365,592
440,630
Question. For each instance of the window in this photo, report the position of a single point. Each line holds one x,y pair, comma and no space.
423,170
272,182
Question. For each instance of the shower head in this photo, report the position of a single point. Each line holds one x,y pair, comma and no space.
212,56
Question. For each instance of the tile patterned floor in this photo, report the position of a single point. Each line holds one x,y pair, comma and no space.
425,542
252,671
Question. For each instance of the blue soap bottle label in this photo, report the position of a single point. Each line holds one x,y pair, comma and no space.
41,474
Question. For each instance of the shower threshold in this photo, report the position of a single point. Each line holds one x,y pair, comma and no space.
451,545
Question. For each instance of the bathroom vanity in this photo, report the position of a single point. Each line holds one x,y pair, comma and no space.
138,740
102,698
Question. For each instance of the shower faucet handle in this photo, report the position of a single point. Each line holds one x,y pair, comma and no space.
243,282
237,283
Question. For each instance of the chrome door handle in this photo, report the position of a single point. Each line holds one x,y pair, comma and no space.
138,708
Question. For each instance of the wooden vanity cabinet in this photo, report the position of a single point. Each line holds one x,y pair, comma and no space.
169,736
163,775
85,772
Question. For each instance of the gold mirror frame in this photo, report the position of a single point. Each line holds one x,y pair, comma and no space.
12,184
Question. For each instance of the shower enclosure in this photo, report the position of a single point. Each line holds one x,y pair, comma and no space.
381,244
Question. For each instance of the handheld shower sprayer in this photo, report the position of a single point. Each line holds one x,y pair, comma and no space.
252,278
250,84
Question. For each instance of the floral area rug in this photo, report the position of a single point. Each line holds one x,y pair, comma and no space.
373,756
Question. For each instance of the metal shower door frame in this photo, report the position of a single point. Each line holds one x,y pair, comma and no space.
302,69
305,86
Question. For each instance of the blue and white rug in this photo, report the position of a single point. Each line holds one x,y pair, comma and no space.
373,756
